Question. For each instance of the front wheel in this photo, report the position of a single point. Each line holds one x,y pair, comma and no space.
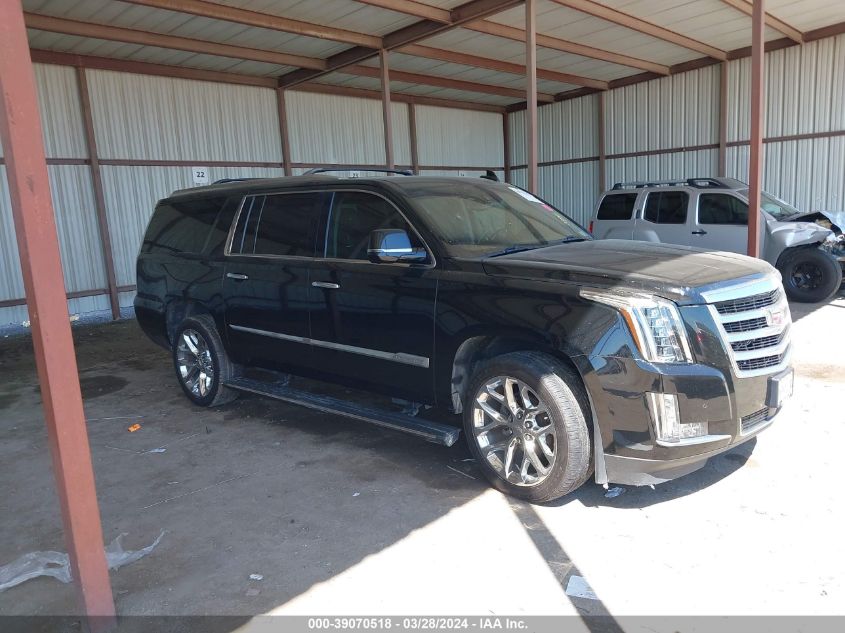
201,364
810,275
526,425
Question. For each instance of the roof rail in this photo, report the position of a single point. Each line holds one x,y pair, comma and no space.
383,170
698,183
225,180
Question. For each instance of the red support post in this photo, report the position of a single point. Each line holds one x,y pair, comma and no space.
386,109
755,162
35,227
531,93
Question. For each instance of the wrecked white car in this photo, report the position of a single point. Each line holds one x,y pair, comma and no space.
712,213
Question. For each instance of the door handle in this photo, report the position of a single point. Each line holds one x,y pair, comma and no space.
237,276
325,284
699,232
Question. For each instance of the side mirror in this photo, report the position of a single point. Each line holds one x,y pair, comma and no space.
393,245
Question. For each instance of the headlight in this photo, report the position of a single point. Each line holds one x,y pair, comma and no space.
655,325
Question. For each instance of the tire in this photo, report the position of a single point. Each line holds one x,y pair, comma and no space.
202,335
810,275
560,392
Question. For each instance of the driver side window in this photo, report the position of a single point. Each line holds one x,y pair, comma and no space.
353,216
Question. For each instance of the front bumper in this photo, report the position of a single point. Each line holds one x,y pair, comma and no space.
636,471
627,449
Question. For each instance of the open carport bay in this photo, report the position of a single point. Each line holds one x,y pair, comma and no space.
344,518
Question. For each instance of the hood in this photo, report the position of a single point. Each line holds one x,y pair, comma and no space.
679,273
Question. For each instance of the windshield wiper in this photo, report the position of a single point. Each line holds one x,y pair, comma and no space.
516,248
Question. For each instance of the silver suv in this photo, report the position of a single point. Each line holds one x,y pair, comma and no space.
712,214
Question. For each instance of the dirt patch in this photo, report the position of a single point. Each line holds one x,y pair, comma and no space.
827,373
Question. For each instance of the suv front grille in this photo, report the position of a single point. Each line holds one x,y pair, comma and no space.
759,363
751,420
754,327
746,325
745,304
758,343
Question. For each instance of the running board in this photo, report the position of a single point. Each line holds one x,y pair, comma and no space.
430,431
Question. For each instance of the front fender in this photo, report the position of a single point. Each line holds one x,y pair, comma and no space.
786,235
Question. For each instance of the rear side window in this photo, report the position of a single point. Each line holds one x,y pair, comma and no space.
181,226
353,217
618,206
666,207
718,208
278,224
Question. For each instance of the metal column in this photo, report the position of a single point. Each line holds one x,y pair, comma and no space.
35,227
531,93
386,110
755,162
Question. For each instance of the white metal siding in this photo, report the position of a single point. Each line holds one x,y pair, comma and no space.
451,137
662,166
335,129
571,188
401,133
677,111
61,111
805,91
516,134
159,118
131,194
76,224
806,173
568,129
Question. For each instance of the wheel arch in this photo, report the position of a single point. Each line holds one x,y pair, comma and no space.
180,309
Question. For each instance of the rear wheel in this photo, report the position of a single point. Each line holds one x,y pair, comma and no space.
526,425
810,275
201,364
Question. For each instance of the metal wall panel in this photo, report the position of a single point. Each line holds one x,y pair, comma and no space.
516,135
451,137
805,90
76,223
568,129
79,242
401,133
159,118
519,177
131,194
676,111
807,173
572,188
678,165
335,129
61,113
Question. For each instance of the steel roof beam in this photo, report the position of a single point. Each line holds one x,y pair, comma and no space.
547,41
467,12
642,26
778,25
441,82
428,52
146,38
205,9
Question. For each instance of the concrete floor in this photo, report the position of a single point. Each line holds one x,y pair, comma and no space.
343,518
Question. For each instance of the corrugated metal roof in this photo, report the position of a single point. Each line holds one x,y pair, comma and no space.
710,21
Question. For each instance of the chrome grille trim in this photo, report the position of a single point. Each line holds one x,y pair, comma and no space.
756,345
753,420
744,304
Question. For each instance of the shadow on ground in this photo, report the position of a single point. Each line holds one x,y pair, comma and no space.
254,487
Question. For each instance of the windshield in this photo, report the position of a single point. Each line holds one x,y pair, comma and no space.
471,219
775,207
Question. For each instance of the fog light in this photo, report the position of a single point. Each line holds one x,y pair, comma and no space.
667,419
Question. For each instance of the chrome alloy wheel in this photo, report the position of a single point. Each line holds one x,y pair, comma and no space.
193,359
514,431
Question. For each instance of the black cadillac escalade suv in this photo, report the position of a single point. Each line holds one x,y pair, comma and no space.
565,356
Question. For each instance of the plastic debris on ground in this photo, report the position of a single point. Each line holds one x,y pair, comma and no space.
134,428
57,564
256,577
614,492
157,450
577,587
